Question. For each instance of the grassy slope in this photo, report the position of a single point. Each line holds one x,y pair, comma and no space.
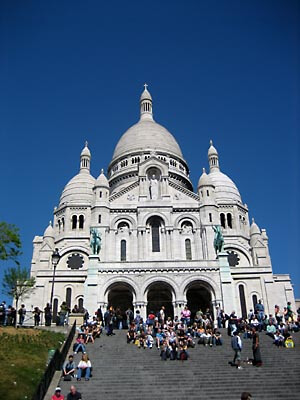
23,355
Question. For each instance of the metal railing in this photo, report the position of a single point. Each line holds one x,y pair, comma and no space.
55,364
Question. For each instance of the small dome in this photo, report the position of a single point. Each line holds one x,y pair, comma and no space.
225,188
85,151
79,190
254,229
147,135
49,231
204,180
102,180
212,150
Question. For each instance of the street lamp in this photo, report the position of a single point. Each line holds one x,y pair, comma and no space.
55,261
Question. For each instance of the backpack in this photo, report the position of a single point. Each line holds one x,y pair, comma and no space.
289,344
183,356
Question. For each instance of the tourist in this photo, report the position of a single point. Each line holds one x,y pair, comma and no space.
57,394
186,316
271,329
79,345
69,366
278,339
129,316
246,396
84,367
74,395
37,316
236,344
75,309
260,310
256,348
48,314
64,309
162,315
99,314
22,313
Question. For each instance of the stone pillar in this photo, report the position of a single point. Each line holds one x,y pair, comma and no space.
91,285
227,287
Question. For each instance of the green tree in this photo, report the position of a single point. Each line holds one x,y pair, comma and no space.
10,243
17,283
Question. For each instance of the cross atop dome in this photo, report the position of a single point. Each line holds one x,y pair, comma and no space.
145,86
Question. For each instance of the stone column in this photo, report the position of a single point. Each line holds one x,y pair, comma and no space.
91,285
227,287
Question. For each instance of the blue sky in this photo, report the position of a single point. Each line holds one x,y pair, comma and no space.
72,71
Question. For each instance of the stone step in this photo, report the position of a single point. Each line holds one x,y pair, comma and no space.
122,370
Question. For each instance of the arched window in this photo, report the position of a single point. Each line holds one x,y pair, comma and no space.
68,297
81,221
222,220
155,224
63,223
229,220
74,222
58,223
254,300
55,308
243,301
188,249
123,250
80,305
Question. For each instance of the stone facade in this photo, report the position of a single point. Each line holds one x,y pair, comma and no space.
156,235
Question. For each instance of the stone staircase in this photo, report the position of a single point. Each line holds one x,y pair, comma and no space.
123,371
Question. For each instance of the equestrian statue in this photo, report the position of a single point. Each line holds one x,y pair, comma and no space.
95,240
218,240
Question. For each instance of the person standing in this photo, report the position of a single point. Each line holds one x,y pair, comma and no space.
257,361
22,313
48,314
37,316
236,344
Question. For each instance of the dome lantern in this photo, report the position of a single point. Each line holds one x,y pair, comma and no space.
213,158
146,105
85,159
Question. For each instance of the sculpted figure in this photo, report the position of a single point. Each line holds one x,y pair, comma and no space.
218,240
153,188
95,243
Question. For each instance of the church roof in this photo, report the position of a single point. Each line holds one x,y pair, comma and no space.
225,188
102,180
147,135
79,189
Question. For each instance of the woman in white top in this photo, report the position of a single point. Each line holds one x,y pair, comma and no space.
84,364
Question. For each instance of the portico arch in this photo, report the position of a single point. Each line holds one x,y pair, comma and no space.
199,296
160,294
120,295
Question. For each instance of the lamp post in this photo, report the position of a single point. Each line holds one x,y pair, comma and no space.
55,261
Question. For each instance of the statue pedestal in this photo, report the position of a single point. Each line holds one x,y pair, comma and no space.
91,284
228,290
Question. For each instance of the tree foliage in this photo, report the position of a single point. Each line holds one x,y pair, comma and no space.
10,243
17,282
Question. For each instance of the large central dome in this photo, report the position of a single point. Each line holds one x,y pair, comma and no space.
147,134
144,135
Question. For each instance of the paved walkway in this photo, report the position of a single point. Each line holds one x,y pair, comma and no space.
122,371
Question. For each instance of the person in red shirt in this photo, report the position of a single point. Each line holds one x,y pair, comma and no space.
57,395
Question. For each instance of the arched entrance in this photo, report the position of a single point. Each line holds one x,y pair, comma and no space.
120,295
160,294
199,297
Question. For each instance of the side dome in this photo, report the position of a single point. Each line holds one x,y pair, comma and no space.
145,135
225,188
204,180
79,190
49,231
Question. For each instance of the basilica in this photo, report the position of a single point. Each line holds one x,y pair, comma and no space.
155,235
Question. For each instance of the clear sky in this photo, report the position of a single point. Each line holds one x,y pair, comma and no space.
72,71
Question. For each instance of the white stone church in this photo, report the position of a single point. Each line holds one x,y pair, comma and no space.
157,237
